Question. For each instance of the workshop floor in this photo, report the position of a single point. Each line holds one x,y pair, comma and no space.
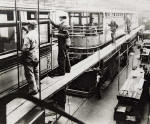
94,111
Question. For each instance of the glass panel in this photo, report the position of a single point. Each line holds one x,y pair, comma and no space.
85,21
7,32
95,19
7,39
74,20
6,15
44,33
31,15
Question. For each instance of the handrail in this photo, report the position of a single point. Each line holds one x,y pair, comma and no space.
38,102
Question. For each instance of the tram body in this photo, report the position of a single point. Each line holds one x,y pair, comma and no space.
85,36
10,69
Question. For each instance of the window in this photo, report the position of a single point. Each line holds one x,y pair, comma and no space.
75,21
31,15
74,18
101,18
7,39
7,34
85,18
44,33
96,18
85,21
6,15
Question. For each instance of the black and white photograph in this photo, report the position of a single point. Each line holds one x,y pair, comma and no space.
74,61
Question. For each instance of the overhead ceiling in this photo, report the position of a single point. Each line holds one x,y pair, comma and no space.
142,6
136,5
118,4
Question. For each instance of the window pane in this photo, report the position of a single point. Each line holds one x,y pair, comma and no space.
44,33
6,15
7,39
75,21
95,20
85,21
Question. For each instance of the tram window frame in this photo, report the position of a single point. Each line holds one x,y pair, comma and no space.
48,32
92,15
86,16
7,45
101,18
6,38
9,13
75,15
45,14
32,15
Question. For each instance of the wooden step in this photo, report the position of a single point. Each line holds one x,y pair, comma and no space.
35,116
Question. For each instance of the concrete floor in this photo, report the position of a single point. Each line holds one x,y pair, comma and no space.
94,111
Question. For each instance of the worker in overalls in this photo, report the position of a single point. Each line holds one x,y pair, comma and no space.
30,53
63,57
113,27
91,27
141,35
128,24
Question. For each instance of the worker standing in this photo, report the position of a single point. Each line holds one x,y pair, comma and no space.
91,27
113,27
63,35
141,35
30,53
128,24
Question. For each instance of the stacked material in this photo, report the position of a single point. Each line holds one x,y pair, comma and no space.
133,86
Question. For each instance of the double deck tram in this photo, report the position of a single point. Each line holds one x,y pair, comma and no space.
87,38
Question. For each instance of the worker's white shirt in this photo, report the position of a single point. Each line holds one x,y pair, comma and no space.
31,44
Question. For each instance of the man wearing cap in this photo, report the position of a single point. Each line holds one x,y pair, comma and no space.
63,58
91,27
30,51
113,27
128,24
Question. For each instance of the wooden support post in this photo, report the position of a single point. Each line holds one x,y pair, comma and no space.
38,21
127,61
3,113
119,71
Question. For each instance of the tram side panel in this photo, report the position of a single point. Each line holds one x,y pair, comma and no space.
110,66
8,54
